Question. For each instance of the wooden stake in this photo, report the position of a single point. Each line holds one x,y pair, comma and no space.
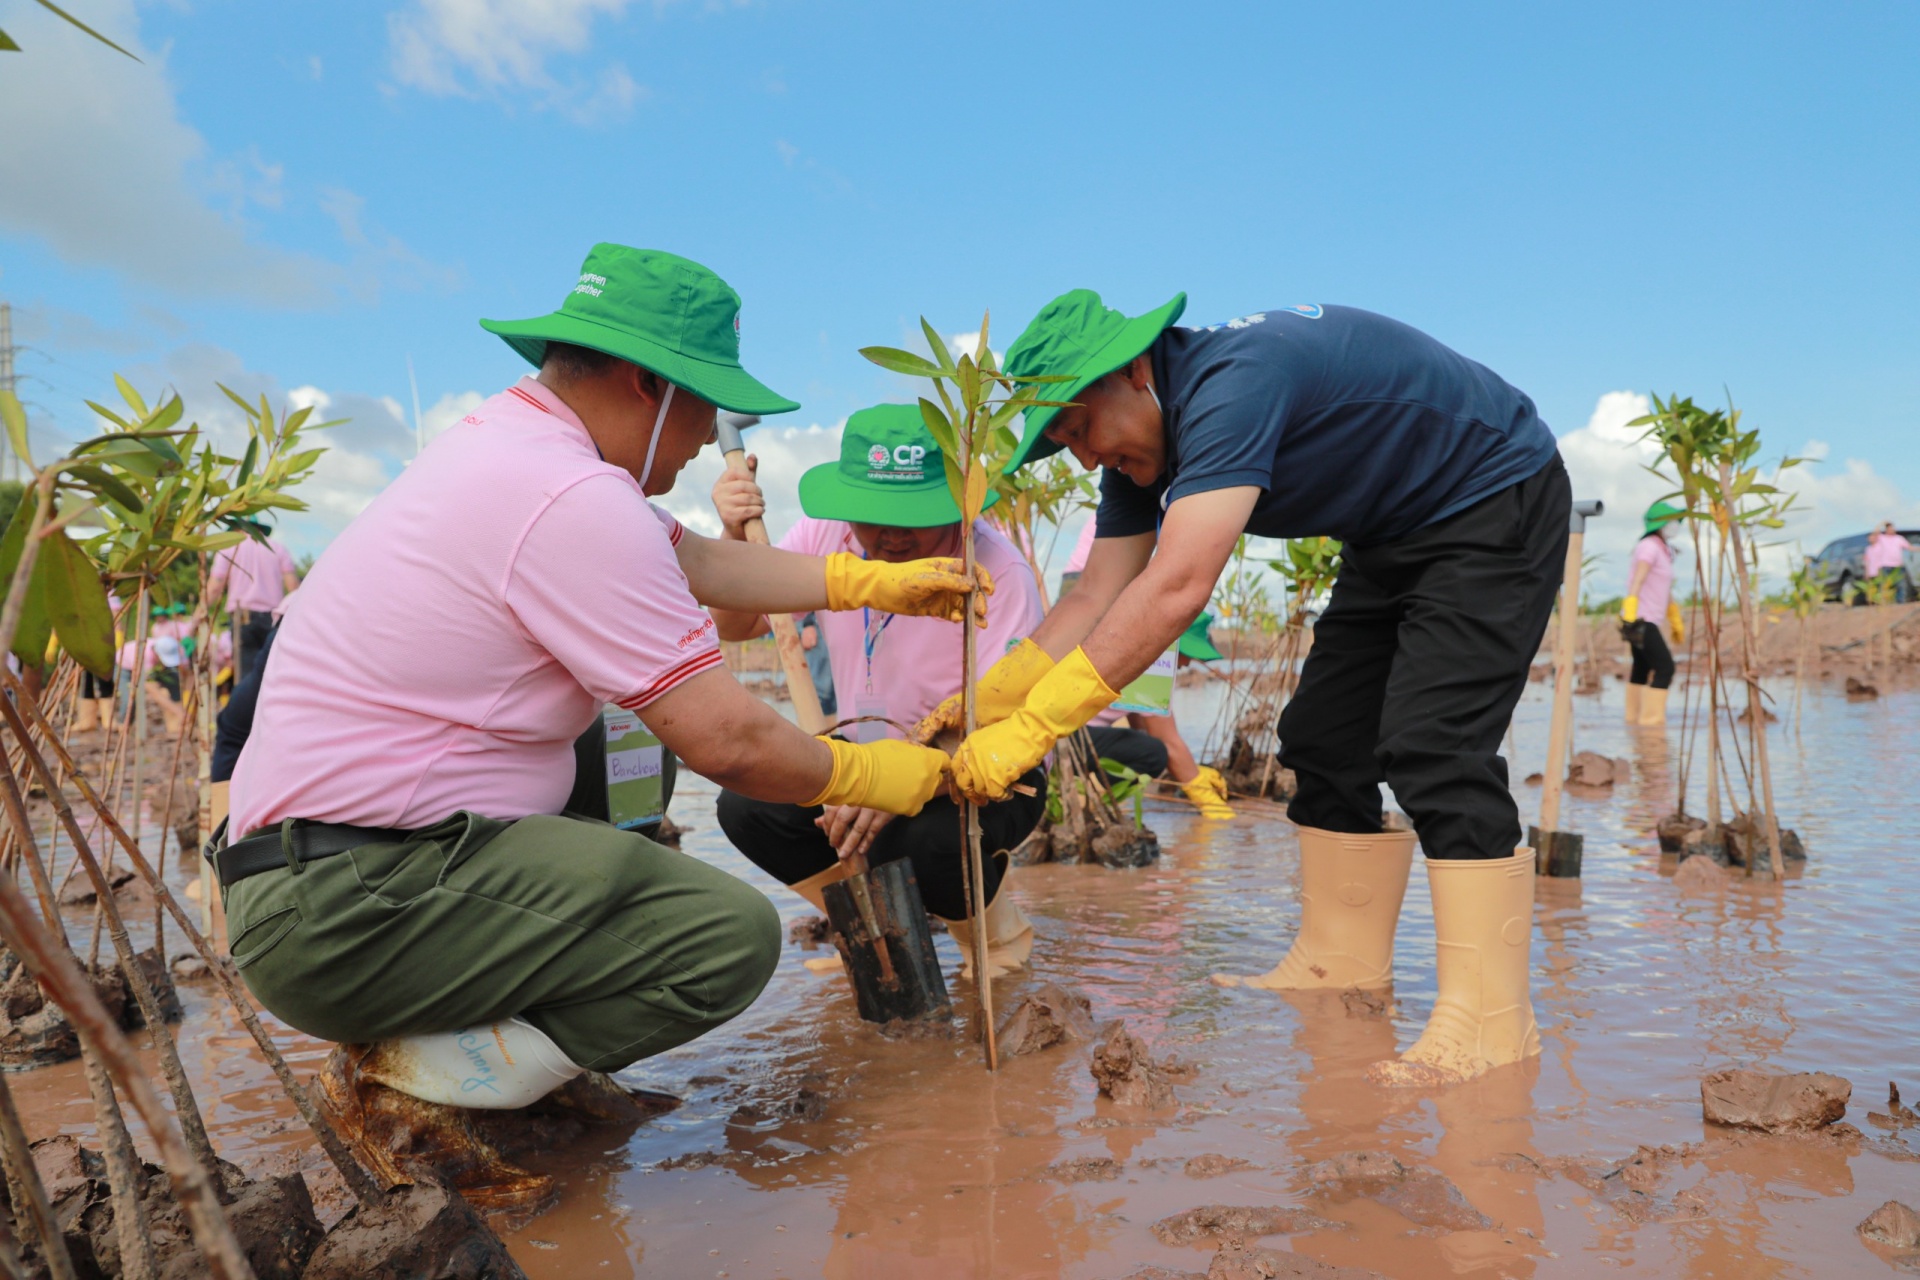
1756,709
1561,726
23,1180
970,816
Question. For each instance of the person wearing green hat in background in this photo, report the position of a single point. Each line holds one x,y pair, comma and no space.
1649,596
886,500
1451,500
405,882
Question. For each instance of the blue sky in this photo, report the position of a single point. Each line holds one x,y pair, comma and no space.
1596,201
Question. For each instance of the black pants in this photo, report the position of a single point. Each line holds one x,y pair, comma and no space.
1652,660
1416,667
92,686
1137,749
255,626
781,840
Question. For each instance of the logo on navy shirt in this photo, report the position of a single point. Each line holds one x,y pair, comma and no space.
1309,310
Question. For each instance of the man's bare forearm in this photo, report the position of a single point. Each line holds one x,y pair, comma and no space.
725,734
744,577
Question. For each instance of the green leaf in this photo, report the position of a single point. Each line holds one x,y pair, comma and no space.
246,463
246,407
131,396
30,638
938,345
166,415
76,602
956,480
53,8
7,45
16,420
99,480
937,425
110,416
895,360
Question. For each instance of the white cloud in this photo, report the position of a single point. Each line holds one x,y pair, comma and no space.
784,453
100,166
499,48
447,410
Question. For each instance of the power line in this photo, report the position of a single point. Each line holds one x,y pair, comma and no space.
15,465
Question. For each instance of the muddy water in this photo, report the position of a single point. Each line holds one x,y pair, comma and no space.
921,1164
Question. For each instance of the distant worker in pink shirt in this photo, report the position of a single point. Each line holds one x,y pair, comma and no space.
255,578
1887,557
1649,596
886,501
405,882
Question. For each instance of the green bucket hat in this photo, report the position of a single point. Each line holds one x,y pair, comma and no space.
1195,643
656,310
889,472
1661,513
1082,338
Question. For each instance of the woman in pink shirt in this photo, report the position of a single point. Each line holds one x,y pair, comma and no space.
886,500
405,882
1649,596
1887,555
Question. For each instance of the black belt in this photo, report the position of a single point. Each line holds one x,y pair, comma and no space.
290,845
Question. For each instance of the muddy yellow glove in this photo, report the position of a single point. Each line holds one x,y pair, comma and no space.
992,759
1630,609
889,775
931,588
1676,623
1207,791
997,694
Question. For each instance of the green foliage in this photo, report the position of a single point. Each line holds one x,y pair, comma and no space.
1697,444
10,495
1124,784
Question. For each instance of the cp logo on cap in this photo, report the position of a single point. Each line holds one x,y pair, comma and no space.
908,455
877,456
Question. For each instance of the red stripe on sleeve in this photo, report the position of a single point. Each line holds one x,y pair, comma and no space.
676,676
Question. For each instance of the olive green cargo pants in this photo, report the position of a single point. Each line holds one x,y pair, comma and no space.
615,946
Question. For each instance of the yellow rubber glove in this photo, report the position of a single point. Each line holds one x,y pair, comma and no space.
992,759
1676,622
931,588
1207,792
1630,609
889,775
996,695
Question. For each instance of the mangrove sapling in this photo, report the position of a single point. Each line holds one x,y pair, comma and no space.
980,406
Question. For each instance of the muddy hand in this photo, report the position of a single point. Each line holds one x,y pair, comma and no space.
932,588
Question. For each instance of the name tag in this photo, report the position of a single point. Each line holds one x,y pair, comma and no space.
1152,692
634,766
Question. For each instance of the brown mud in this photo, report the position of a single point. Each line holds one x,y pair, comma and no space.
808,1143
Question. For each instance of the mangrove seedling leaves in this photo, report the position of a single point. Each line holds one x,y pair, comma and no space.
976,491
30,638
937,425
938,346
98,480
895,360
16,421
76,601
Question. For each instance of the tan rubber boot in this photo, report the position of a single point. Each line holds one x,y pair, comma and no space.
1636,694
1653,707
86,716
1207,792
1350,892
810,889
1483,931
1009,934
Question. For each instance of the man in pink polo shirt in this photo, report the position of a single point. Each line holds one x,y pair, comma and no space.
886,501
406,883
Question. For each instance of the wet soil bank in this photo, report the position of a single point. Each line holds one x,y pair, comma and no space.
812,1144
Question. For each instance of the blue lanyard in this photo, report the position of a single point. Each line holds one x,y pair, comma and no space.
870,639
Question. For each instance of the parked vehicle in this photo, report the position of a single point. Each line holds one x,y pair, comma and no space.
1842,564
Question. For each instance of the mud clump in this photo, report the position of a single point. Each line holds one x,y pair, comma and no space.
1237,1221
1083,1169
273,1218
1893,1224
1124,847
1240,1261
1591,769
1774,1102
79,891
1370,1005
35,1033
1421,1196
1047,1016
424,1229
1700,875
1678,830
809,932
1745,839
1213,1165
1898,1115
1859,690
1125,1072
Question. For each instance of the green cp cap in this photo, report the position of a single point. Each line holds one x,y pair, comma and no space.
890,472
656,310
1078,337
1195,643
1661,513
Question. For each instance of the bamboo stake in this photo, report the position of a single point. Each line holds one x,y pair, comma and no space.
171,1067
1562,723
59,974
26,1189
356,1178
1749,654
969,813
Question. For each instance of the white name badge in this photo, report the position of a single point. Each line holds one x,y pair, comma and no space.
871,704
1152,692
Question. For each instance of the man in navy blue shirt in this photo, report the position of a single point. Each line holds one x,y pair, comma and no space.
1449,496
